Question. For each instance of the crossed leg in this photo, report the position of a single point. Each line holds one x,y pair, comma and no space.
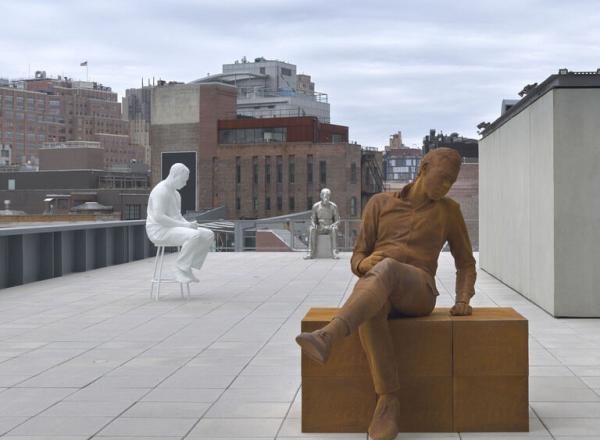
389,289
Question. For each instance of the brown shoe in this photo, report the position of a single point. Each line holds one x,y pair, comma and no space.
384,424
316,345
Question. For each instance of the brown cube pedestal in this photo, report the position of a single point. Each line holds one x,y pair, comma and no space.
491,368
465,374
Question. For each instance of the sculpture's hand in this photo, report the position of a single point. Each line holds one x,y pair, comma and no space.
461,309
368,263
193,225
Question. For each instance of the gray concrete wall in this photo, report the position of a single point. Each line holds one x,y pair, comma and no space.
176,104
577,201
516,203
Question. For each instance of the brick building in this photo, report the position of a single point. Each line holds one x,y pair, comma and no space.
271,179
255,167
39,110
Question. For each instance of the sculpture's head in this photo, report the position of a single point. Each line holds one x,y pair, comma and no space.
325,195
178,175
438,171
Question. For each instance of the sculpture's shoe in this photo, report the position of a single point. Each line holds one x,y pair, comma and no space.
316,345
308,257
184,276
384,424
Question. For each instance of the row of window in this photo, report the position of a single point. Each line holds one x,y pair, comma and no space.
291,175
252,135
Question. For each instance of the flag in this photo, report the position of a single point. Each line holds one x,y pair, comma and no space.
83,64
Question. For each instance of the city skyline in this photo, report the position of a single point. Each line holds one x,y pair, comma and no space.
408,67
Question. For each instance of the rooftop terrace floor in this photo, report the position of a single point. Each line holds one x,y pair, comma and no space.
89,355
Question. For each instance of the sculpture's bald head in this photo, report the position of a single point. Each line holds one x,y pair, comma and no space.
178,175
438,171
325,195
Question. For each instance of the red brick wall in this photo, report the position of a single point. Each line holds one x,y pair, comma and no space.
338,158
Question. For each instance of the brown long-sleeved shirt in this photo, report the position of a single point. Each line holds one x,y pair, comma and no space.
392,227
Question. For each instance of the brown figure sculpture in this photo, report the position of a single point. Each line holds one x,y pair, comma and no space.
401,237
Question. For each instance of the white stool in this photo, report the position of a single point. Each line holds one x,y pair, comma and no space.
157,276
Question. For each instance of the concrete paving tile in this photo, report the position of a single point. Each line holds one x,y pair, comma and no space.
231,427
230,408
291,428
61,426
68,408
185,410
202,395
189,377
567,409
8,423
573,426
30,401
136,427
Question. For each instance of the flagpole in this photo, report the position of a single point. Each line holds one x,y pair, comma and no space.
86,72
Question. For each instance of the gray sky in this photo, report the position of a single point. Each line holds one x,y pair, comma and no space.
386,65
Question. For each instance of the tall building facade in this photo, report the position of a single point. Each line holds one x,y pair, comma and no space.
272,88
38,110
468,148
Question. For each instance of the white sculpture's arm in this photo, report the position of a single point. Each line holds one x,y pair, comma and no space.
159,204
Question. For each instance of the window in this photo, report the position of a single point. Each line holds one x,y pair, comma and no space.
279,203
267,170
11,183
291,169
353,172
268,203
323,172
309,202
238,204
279,170
336,138
255,203
255,170
262,70
226,136
238,170
286,72
353,206
292,204
132,212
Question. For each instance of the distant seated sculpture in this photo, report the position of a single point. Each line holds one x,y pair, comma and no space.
324,220
166,226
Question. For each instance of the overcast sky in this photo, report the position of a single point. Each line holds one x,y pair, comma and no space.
386,65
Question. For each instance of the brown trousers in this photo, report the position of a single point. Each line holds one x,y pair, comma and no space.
389,290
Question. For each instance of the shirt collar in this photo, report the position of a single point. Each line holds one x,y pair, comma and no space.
403,194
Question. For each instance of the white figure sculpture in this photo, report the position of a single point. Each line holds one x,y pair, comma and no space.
324,221
166,226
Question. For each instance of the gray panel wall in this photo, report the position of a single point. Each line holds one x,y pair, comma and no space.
35,253
516,212
577,200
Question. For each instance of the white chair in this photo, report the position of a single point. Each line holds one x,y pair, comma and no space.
157,276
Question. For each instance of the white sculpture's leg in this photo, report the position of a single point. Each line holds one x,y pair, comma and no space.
195,248
333,237
312,242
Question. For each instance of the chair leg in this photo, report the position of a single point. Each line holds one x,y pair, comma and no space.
188,290
181,289
154,272
160,268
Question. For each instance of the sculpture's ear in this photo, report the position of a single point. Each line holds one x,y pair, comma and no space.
423,169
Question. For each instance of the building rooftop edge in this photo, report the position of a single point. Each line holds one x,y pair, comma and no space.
571,80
